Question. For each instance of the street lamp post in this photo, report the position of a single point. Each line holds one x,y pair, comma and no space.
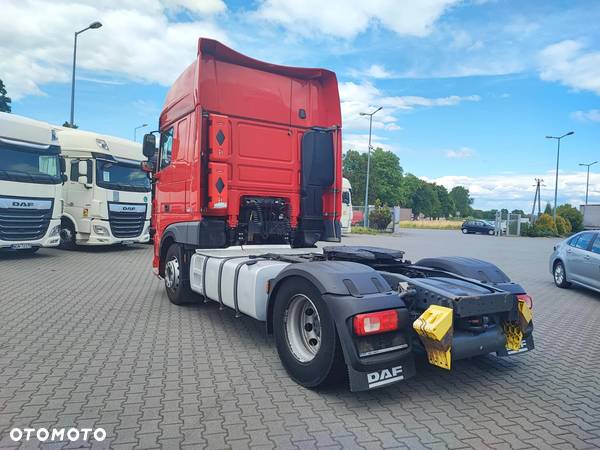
587,183
368,164
92,26
558,138
135,131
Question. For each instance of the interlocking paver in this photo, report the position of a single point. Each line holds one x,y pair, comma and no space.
90,339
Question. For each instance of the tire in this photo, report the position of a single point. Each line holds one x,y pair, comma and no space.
312,357
491,232
560,275
177,286
465,231
67,236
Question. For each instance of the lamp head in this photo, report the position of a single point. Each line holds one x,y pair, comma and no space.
95,25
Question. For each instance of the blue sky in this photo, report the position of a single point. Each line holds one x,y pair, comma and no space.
469,88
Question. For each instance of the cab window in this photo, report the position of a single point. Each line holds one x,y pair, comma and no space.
584,240
166,148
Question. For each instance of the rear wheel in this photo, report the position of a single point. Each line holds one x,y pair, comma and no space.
465,231
177,283
560,275
305,335
491,232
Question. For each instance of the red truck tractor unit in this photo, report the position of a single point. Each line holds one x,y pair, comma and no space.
248,178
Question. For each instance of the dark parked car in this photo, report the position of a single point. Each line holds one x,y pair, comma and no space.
576,260
477,226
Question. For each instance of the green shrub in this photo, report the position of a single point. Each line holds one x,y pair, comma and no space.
525,229
563,226
544,226
572,215
380,217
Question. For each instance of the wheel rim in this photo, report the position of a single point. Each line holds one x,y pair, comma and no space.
303,328
172,274
559,274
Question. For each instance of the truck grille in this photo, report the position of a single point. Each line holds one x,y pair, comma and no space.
126,224
24,224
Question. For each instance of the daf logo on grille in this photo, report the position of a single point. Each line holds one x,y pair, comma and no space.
129,208
22,204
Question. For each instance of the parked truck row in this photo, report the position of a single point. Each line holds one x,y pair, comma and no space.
66,187
247,182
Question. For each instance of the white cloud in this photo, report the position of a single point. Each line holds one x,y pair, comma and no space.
360,142
516,191
568,63
460,153
363,97
348,18
593,115
377,71
137,40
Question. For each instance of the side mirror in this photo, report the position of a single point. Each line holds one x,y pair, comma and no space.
149,146
63,164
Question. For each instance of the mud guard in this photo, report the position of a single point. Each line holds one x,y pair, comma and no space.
348,289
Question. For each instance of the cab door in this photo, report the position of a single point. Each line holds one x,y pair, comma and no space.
171,194
78,194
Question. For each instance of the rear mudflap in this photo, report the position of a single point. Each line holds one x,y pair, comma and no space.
526,345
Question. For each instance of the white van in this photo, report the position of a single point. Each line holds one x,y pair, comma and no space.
107,197
346,206
31,181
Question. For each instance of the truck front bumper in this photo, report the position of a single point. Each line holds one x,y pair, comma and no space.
101,234
50,239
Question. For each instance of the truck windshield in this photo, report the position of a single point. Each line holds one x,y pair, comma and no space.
121,176
30,165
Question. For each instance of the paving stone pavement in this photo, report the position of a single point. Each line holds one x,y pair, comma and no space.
88,338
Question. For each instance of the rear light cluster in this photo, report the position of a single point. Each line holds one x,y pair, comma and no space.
375,322
526,299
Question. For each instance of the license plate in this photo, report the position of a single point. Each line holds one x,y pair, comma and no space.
128,242
20,246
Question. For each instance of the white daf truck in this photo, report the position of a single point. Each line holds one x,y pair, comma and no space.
346,206
31,182
107,196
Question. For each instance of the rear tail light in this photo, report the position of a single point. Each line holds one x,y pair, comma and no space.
526,299
375,322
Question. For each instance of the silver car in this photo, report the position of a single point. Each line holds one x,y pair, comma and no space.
576,260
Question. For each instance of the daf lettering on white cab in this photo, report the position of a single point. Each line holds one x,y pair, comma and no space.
31,181
107,196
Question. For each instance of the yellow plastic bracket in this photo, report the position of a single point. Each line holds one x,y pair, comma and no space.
514,335
525,315
434,328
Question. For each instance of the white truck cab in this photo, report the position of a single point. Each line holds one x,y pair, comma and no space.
31,182
346,221
107,196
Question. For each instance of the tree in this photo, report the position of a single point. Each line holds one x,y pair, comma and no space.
4,99
68,125
425,201
548,209
385,176
575,217
447,207
409,186
518,211
462,200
